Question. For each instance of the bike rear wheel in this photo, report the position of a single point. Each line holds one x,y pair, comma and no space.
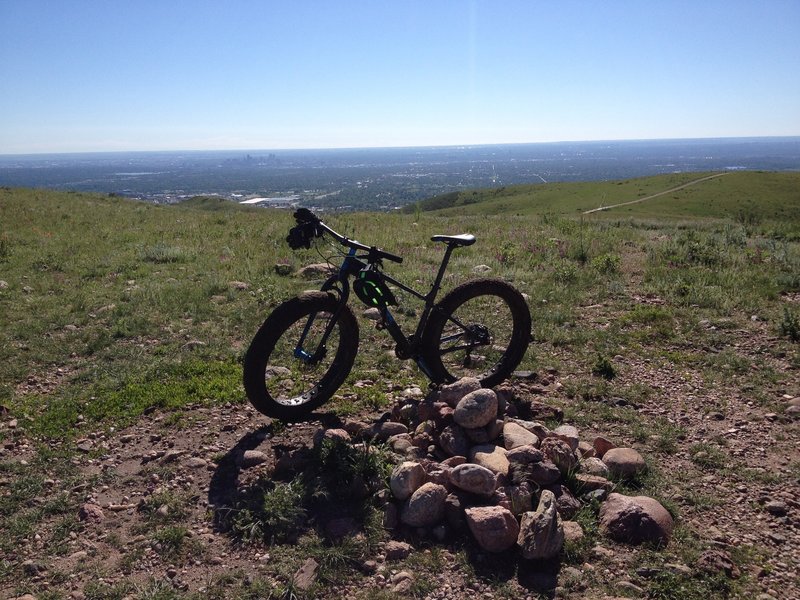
287,371
480,329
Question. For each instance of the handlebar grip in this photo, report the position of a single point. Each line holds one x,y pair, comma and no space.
392,257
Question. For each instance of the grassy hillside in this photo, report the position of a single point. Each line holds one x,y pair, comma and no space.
735,195
670,323
110,291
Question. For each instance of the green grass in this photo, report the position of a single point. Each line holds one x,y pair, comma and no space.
749,199
114,309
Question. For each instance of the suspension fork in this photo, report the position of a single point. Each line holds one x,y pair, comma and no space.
339,284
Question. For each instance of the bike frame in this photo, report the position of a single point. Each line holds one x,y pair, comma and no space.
407,346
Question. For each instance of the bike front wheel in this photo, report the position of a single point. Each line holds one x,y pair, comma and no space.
480,329
291,368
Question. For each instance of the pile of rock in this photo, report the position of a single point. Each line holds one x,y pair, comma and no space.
467,460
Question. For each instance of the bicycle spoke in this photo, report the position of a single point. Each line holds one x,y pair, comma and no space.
476,337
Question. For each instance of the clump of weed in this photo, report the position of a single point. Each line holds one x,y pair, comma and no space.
692,248
340,468
157,589
163,507
5,248
274,513
508,253
606,264
669,585
577,552
707,456
95,590
789,327
604,368
565,273
337,471
173,542
162,253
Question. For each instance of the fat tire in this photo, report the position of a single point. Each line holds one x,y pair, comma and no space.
518,344
261,348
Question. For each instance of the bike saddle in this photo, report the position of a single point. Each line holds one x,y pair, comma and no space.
465,239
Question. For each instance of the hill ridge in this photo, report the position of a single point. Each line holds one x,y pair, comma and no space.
675,196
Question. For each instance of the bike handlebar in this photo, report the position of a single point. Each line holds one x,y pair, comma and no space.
309,225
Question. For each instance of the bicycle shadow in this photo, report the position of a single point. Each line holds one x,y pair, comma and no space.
224,491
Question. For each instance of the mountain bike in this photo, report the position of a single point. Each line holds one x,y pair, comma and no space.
306,347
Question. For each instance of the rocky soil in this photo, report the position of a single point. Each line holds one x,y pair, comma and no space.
736,502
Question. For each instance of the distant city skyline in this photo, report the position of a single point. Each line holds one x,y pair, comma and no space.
91,76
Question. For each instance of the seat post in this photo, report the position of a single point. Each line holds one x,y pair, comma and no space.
440,275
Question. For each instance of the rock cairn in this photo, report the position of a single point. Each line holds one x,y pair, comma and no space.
477,460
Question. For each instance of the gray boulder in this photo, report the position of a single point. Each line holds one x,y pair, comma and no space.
454,441
486,434
453,392
560,454
490,456
524,455
425,507
494,527
541,535
569,434
635,519
624,463
406,478
476,409
515,435
520,498
474,479
594,466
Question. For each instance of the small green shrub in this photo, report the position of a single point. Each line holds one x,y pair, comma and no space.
275,511
339,465
5,249
748,216
275,518
94,590
508,253
161,253
171,540
607,264
789,327
565,273
604,368
164,507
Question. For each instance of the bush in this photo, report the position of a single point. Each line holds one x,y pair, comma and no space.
161,253
607,264
275,518
5,248
790,326
603,368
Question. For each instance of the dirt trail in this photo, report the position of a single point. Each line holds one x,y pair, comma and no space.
669,191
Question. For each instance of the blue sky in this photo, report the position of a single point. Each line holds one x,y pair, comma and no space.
100,75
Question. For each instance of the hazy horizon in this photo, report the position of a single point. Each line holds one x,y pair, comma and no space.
411,147
384,178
